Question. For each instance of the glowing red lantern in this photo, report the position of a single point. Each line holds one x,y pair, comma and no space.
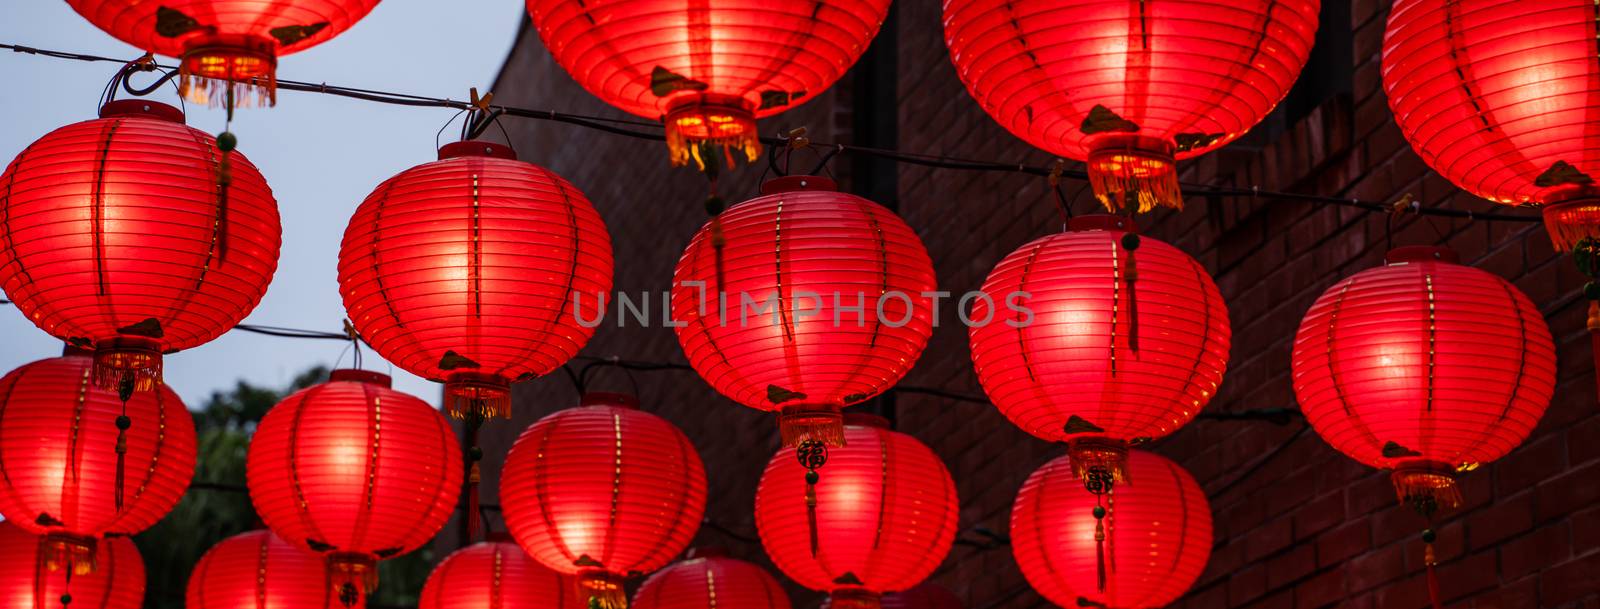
884,514
1424,367
601,491
230,46
1495,95
116,583
1100,338
710,580
58,450
1129,87
497,575
707,69
1144,552
476,271
257,570
132,234
815,300
355,471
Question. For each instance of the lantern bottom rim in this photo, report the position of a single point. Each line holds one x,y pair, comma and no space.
820,422
475,394
1573,220
718,121
127,363
1134,172
235,69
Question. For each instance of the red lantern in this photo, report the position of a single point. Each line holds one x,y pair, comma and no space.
884,514
230,46
1145,551
815,300
58,451
256,570
707,69
117,583
356,471
1495,96
1100,338
477,270
710,580
1129,87
601,491
1424,367
118,235
497,575
926,595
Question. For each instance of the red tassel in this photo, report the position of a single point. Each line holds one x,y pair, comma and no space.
811,508
474,518
1594,336
1429,559
1100,548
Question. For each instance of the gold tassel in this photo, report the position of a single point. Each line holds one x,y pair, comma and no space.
1099,456
1426,487
604,590
237,72
127,359
58,551
854,598
473,394
1131,178
825,424
1569,222
692,128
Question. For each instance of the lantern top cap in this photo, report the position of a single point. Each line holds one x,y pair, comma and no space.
862,419
1090,222
798,183
497,537
141,108
606,398
351,375
474,148
1422,253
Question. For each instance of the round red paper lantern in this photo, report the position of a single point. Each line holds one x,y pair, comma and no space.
58,439
711,580
1129,87
256,570
117,582
1425,367
476,271
1099,337
601,491
1496,96
230,46
815,301
355,471
497,575
707,69
119,236
885,517
1157,535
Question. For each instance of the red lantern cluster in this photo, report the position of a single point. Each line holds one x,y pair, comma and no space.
707,69
1424,367
1129,87
842,282
134,235
601,491
1120,339
116,583
230,46
710,580
880,516
476,270
497,575
58,450
1496,95
1144,551
356,471
257,570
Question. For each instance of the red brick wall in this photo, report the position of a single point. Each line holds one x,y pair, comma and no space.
1306,527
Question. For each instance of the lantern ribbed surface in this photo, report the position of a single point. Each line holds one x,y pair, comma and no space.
1157,535
1499,96
709,583
257,570
810,255
708,69
466,271
355,470
58,459
603,490
1129,87
886,514
497,575
117,581
115,233
1110,343
224,39
1422,366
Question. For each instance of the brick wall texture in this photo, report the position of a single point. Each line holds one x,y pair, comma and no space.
1297,524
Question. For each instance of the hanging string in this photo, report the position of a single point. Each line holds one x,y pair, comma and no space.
812,455
66,590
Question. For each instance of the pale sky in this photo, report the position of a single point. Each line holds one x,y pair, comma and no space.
322,155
